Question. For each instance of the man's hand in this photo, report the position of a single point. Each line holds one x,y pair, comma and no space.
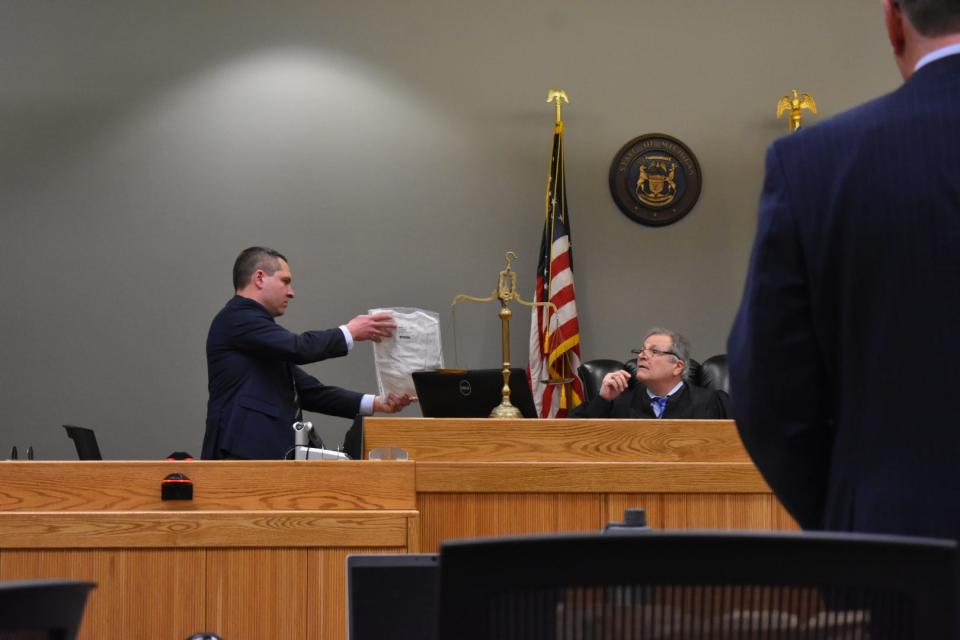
375,327
394,402
614,384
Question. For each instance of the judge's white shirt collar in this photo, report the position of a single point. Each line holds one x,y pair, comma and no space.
669,393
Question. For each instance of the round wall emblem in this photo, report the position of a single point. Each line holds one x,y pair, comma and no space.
655,179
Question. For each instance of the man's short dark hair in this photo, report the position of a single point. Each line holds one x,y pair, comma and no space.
252,259
932,17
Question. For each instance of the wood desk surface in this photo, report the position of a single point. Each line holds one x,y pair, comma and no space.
567,440
217,485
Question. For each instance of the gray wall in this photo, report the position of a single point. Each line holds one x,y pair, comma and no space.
393,150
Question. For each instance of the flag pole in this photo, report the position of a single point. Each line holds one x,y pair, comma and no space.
557,96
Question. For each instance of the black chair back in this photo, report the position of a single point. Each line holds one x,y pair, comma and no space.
592,372
86,442
715,374
661,584
42,608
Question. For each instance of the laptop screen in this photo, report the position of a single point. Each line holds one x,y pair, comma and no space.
470,394
392,596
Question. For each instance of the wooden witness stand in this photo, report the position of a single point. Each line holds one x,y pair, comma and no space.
260,551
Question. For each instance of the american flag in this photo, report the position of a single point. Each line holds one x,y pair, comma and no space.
555,336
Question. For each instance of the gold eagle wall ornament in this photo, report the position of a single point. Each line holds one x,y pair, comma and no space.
795,104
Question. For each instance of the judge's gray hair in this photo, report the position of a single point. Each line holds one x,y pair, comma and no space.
678,344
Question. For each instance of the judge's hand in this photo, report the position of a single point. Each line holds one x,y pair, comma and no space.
614,384
375,327
392,403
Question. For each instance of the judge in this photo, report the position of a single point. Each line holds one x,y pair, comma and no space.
661,392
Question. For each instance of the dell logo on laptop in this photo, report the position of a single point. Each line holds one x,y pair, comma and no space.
465,388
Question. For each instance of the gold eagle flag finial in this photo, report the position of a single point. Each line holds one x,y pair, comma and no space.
795,104
558,96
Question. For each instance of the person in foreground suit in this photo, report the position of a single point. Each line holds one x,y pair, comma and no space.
843,355
662,392
257,391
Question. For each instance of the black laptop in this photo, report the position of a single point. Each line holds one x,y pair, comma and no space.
472,393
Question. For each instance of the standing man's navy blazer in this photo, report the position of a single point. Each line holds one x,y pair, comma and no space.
845,353
251,363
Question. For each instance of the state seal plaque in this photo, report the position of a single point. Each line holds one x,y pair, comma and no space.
655,179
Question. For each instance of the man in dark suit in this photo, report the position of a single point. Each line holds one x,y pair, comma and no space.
256,389
662,391
843,353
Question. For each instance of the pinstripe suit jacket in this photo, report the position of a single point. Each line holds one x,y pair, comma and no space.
844,353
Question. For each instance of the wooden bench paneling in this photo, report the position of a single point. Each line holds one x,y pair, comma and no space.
489,477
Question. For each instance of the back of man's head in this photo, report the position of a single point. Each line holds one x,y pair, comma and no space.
932,18
252,259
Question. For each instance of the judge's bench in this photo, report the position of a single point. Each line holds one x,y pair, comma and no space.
259,551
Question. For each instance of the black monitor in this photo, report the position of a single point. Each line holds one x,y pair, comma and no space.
85,441
471,393
393,596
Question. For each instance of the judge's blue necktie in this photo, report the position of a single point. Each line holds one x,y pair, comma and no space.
659,405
